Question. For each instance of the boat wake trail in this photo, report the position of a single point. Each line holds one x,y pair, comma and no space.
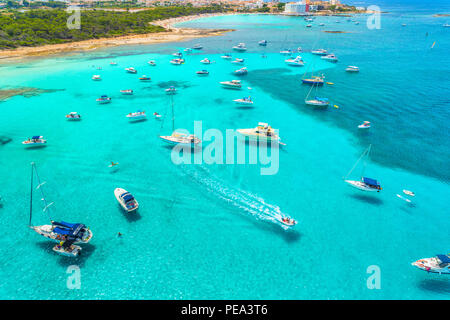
243,200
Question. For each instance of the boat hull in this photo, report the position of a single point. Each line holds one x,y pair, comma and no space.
361,186
117,193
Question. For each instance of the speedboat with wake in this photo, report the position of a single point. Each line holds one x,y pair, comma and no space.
73,116
241,71
35,141
439,264
286,221
233,84
126,200
240,47
365,184
137,116
262,132
295,62
364,125
246,101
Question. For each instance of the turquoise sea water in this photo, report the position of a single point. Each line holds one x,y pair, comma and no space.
203,231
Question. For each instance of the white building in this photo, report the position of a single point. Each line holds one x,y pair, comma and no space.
296,7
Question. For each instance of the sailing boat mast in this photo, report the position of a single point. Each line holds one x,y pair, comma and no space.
173,116
365,153
31,193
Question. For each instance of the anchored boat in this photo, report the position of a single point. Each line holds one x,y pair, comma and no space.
137,116
35,141
233,84
439,264
241,71
240,47
364,125
330,57
126,200
131,70
244,101
295,62
365,184
73,116
103,99
262,132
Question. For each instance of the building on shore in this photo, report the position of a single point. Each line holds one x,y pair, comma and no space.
296,8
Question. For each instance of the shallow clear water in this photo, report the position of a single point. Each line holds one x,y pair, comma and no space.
204,231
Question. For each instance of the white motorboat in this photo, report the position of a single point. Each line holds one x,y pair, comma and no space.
96,77
238,60
35,141
73,116
126,92
330,57
309,25
112,63
197,47
233,84
177,54
241,71
67,249
177,61
286,52
352,69
157,115
137,116
321,24
320,52
205,61
262,132
446,25
244,101
145,78
439,264
240,47
152,63
286,221
202,72
364,125
103,99
295,62
126,200
262,43
365,184
187,50
409,193
179,138
226,56
131,70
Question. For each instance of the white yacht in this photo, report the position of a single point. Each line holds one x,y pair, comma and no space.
364,125
295,62
73,116
240,47
177,61
96,77
352,69
205,61
320,52
226,56
262,132
330,57
233,84
35,141
137,116
439,264
67,249
241,71
244,101
131,70
126,92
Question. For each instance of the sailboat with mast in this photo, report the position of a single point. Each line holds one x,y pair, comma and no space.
365,184
317,101
65,233
178,138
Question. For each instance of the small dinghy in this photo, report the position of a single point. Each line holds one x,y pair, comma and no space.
67,249
103,99
287,221
409,193
145,78
157,115
364,125
152,63
126,200
35,141
202,72
128,92
137,116
73,116
96,77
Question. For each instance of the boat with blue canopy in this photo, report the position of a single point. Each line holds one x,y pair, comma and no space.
439,264
126,200
365,184
35,141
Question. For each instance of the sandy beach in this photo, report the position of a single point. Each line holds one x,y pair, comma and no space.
171,35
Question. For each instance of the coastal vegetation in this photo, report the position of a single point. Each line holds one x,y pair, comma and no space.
42,26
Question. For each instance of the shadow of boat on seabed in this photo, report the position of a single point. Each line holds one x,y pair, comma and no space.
441,286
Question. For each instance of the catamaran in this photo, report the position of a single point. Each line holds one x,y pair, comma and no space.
137,116
262,132
365,184
131,70
126,200
240,47
241,71
439,264
330,57
73,116
295,62
96,77
233,84
178,138
35,141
